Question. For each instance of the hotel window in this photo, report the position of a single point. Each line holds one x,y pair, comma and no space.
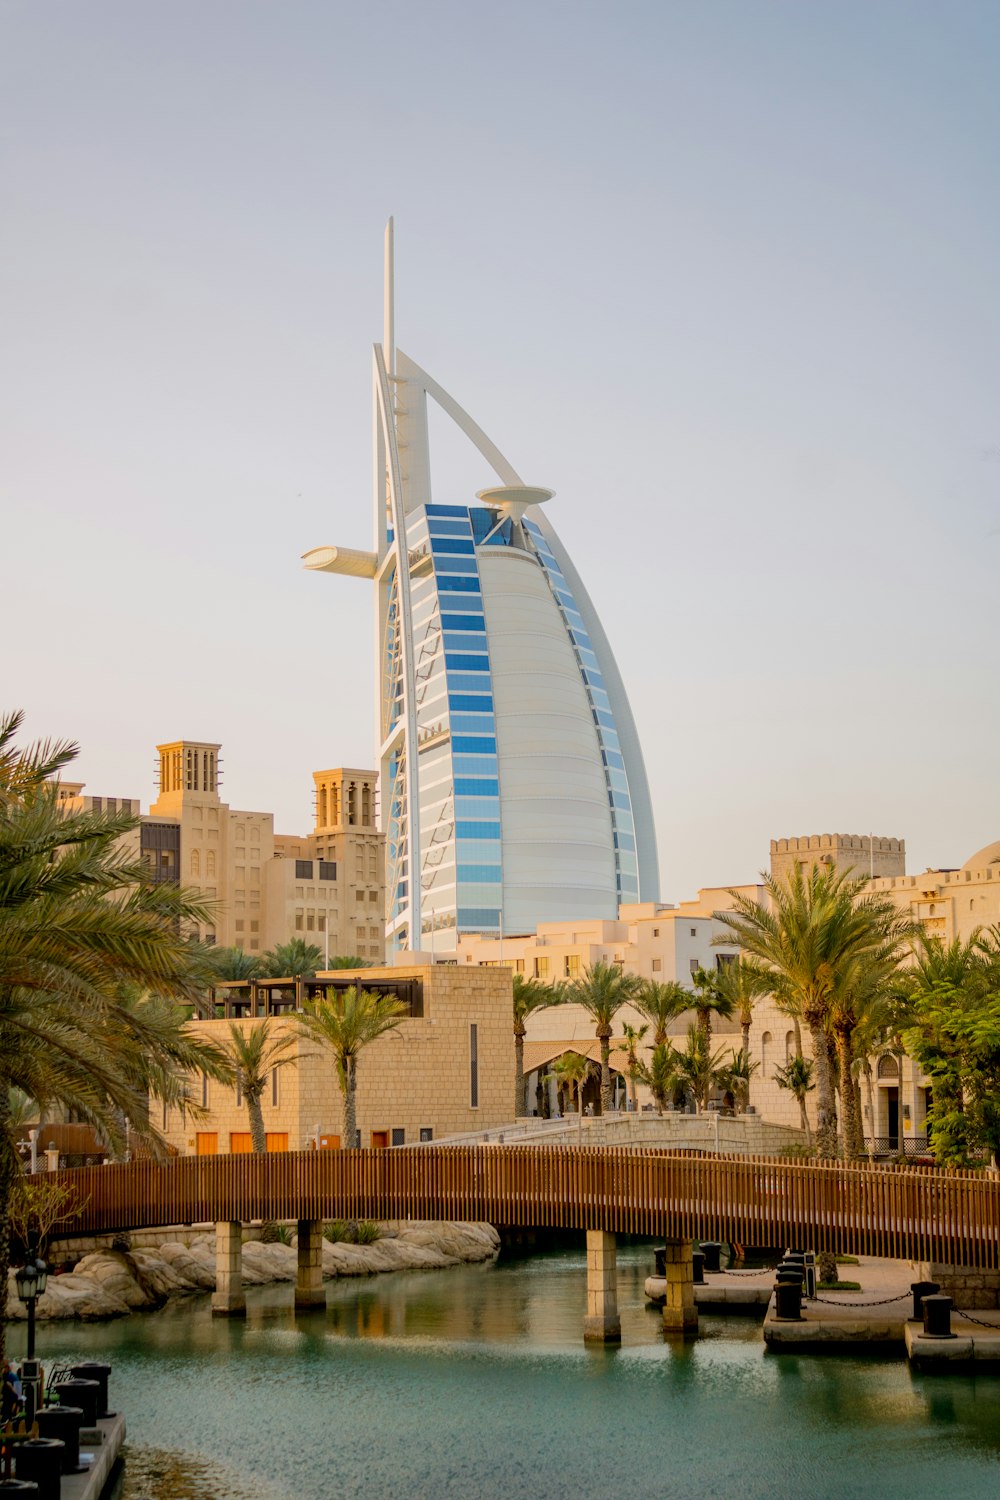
399,1137
426,1133
239,926
254,926
656,932
694,932
657,965
473,1066
541,968
694,965
298,921
572,965
311,922
321,923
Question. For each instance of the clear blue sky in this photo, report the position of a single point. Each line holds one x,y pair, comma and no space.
723,275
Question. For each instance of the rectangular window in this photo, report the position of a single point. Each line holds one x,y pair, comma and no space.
327,869
465,623
274,1087
474,1066
298,921
303,869
398,1137
204,1090
476,786
311,922
462,661
469,744
426,1132
694,965
542,968
657,965
694,932
454,544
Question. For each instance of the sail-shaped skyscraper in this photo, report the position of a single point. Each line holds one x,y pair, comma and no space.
513,786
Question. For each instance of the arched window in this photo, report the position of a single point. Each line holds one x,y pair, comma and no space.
789,1046
210,862
888,1067
765,1049
195,862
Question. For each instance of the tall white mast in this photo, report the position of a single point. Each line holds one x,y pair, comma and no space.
389,309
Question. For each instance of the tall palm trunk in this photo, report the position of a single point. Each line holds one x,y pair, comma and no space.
520,1108
854,1144
258,1139
804,1119
746,1018
870,1097
8,1176
350,1104
605,1040
826,1110
798,1036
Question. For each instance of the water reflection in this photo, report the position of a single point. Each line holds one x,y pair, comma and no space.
475,1381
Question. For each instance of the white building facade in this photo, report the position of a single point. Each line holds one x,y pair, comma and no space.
513,785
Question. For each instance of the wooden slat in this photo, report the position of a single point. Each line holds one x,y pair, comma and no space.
891,1211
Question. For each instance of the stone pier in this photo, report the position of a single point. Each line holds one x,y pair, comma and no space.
228,1299
309,1280
602,1324
680,1313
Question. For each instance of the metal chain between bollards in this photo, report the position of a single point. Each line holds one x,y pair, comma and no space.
970,1318
764,1271
882,1301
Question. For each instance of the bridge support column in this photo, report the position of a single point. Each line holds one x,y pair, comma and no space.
680,1314
602,1324
228,1299
309,1280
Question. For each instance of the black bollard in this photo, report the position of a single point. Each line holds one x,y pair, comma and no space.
82,1393
791,1276
698,1262
788,1301
712,1250
40,1459
63,1422
937,1317
920,1290
92,1369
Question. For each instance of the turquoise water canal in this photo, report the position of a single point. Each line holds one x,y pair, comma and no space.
474,1382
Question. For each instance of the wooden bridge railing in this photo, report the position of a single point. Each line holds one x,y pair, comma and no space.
897,1212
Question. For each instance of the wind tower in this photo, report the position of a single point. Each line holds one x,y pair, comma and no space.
513,789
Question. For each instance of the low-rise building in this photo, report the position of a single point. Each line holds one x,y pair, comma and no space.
447,1069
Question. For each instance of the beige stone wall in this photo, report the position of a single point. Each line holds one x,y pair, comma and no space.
860,853
417,1077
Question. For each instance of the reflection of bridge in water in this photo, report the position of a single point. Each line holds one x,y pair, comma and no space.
896,1212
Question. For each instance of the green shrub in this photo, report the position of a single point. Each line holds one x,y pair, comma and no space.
338,1231
367,1232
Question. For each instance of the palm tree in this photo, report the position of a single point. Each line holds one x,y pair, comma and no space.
347,1021
633,1040
710,998
698,1067
661,1002
571,1070
235,963
347,961
256,1053
81,929
860,995
602,990
738,1076
740,983
797,1077
292,960
813,927
529,995
660,1074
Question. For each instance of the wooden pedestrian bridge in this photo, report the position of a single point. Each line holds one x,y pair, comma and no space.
904,1213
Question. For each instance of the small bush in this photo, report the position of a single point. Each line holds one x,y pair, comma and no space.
367,1232
338,1231
282,1234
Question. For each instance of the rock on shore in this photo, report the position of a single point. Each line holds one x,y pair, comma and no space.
113,1283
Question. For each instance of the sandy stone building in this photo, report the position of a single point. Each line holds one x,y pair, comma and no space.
327,886
447,1069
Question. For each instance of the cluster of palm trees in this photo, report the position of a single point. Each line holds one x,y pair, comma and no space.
97,980
856,974
672,1074
290,960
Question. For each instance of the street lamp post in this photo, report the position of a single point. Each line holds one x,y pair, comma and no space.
31,1280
